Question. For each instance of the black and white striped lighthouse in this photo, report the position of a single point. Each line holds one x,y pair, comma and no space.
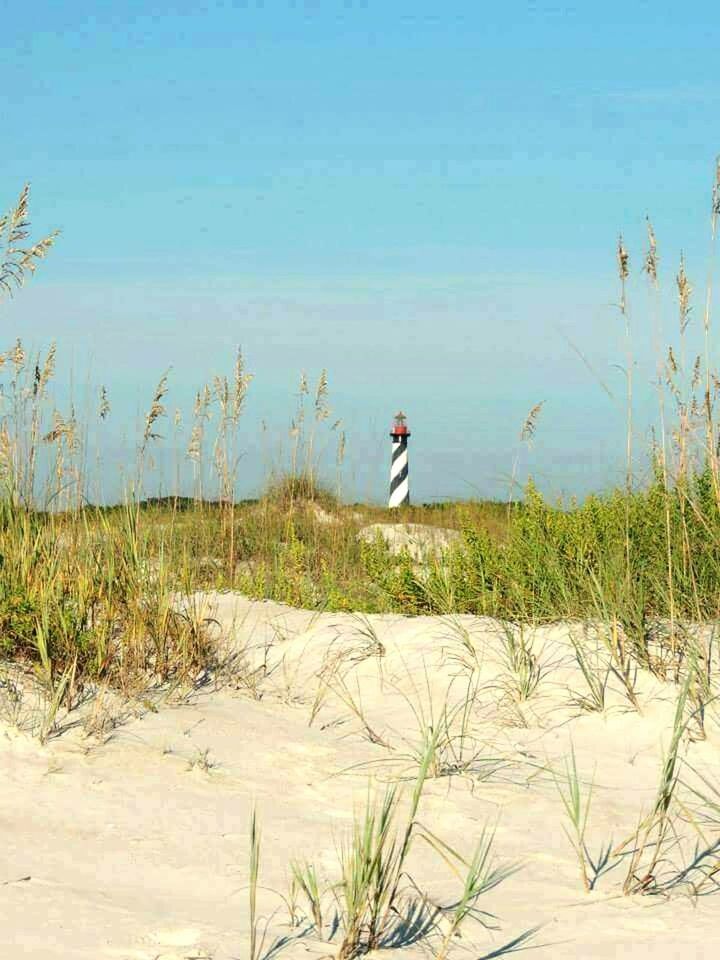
399,481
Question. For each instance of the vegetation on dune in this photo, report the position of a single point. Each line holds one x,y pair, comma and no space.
89,589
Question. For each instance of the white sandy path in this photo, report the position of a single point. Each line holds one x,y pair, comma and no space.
133,854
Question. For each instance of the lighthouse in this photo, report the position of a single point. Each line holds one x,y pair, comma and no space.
399,482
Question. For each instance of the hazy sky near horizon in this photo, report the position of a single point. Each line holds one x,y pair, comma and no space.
422,198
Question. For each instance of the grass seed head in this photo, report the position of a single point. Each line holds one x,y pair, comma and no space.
322,410
684,289
242,381
156,411
696,373
104,408
48,369
16,260
529,426
651,257
18,356
623,260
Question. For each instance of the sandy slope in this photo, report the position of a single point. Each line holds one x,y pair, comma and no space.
138,848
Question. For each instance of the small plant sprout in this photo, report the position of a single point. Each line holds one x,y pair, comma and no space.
480,877
577,808
202,761
465,653
255,940
369,862
596,673
524,671
656,832
373,866
304,878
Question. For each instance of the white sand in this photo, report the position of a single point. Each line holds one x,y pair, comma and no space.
134,850
420,540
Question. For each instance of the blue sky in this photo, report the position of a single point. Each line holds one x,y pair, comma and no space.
423,199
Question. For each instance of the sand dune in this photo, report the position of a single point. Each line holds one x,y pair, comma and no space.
136,848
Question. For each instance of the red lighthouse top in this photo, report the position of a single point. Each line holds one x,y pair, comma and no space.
399,427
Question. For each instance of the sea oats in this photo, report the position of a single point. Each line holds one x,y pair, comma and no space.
684,289
17,260
18,356
6,450
696,373
48,369
716,191
322,410
58,429
64,431
623,260
206,402
194,449
156,411
530,423
241,385
104,409
651,257
222,394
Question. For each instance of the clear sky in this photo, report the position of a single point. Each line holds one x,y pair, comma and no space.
422,198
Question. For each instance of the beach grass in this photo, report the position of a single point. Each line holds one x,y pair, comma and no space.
90,593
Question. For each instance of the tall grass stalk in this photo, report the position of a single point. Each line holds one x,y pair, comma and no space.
623,262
